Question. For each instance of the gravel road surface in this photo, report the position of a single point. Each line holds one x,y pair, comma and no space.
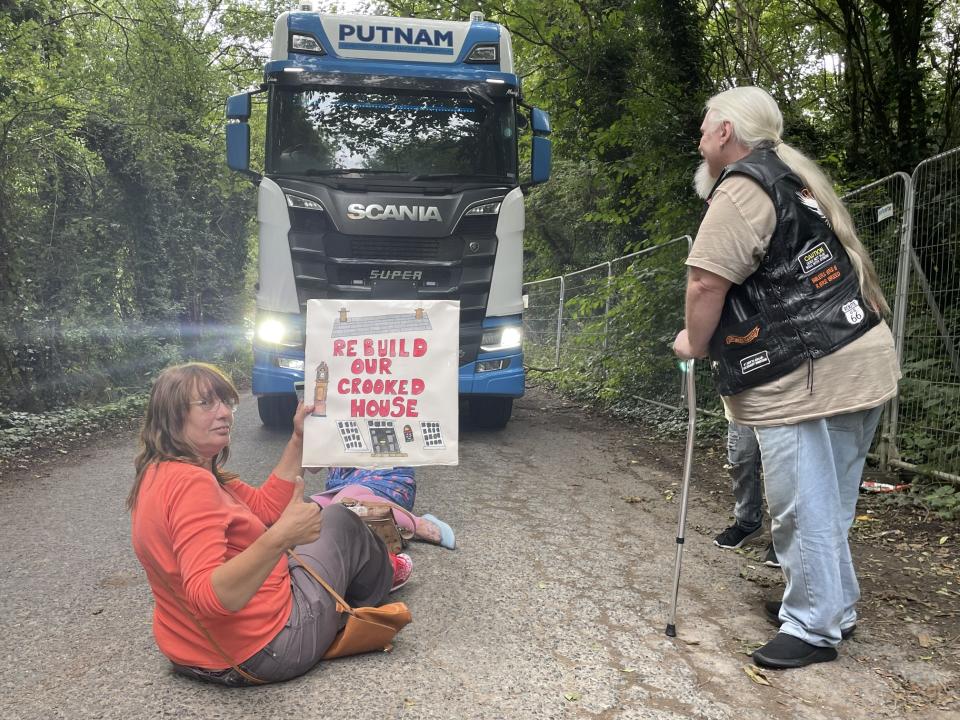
553,605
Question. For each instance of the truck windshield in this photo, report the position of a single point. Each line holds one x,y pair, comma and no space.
324,131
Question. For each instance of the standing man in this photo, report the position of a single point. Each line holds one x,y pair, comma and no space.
783,297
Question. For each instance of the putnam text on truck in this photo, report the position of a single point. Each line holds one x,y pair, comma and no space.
390,35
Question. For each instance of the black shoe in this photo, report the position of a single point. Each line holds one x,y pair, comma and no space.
787,651
772,610
735,536
770,557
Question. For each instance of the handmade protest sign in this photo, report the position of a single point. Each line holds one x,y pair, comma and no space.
382,376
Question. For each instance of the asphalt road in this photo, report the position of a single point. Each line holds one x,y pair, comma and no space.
553,605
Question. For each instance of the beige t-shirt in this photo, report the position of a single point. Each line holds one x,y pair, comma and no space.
732,240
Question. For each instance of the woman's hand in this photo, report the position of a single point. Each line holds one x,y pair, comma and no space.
290,464
300,521
298,418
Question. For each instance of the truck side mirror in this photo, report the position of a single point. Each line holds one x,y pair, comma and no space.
238,134
540,121
238,147
541,155
238,107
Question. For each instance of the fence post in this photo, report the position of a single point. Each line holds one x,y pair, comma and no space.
606,309
556,361
888,444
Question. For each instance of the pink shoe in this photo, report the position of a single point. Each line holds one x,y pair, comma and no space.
402,568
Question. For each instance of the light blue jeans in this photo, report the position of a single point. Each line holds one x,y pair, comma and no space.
743,457
812,476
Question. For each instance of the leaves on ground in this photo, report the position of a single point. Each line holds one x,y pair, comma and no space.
757,675
747,648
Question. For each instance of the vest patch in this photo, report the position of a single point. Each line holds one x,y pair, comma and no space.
853,312
743,339
813,258
825,277
810,202
754,362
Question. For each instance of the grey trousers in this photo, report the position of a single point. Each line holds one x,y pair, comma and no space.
743,461
354,562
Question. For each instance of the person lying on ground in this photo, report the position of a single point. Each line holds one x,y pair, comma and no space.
397,485
230,606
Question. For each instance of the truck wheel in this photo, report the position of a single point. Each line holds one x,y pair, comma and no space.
276,411
490,413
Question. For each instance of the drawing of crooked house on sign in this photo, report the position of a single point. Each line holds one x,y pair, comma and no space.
384,441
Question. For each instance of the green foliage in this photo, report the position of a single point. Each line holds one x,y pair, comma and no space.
124,239
22,432
559,234
928,432
930,494
944,500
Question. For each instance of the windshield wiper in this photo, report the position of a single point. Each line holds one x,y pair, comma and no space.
480,96
466,176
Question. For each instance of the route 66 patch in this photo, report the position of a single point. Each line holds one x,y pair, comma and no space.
853,312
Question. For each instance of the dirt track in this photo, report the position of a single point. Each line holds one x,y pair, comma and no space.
553,605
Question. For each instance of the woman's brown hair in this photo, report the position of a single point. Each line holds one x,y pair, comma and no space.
161,437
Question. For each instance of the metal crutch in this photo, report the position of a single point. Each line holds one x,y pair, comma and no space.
690,390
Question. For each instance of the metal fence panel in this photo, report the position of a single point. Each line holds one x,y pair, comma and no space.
584,310
929,418
882,215
541,322
647,306
631,306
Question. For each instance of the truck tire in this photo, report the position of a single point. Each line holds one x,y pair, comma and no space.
276,411
490,413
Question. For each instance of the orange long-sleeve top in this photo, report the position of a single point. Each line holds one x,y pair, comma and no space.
185,525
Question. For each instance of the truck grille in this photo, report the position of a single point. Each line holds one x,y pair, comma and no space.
328,264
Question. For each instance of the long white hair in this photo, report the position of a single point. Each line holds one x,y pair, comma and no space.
755,119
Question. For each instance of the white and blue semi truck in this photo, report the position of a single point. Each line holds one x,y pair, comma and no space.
391,172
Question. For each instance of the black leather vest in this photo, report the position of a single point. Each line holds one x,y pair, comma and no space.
804,300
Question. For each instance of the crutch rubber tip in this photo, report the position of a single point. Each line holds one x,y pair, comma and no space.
671,630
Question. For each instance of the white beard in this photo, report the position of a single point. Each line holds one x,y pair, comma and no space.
703,181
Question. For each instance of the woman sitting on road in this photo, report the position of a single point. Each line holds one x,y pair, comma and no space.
397,485
229,604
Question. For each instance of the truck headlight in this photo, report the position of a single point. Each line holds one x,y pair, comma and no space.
306,203
488,208
270,330
502,338
279,329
